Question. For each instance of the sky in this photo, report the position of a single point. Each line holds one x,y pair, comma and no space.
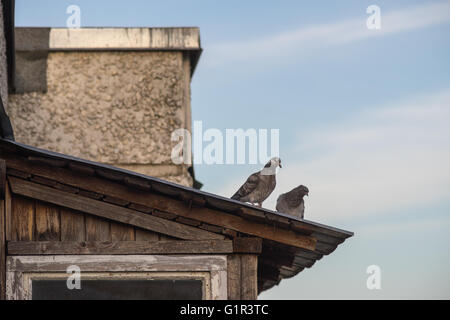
363,118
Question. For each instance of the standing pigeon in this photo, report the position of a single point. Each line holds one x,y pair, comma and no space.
259,185
292,202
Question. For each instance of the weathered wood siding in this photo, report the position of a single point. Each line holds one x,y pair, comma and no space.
34,220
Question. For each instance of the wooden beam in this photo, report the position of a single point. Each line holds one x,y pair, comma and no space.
109,211
234,276
247,245
242,274
249,277
2,251
8,206
2,229
166,204
2,179
118,247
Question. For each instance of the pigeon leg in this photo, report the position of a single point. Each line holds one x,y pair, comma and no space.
259,205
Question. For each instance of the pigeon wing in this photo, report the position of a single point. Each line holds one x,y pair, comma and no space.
280,203
248,187
294,198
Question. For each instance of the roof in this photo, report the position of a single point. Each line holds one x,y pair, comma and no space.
277,261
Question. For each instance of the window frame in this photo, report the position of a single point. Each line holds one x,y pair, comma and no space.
211,269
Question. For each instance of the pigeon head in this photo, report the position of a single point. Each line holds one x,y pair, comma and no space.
303,191
271,166
273,163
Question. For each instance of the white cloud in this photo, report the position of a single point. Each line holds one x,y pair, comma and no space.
305,39
391,158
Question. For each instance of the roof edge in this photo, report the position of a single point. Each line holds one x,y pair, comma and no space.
233,204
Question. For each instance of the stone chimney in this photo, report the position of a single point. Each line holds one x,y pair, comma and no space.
111,95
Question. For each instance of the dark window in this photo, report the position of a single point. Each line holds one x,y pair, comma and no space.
118,290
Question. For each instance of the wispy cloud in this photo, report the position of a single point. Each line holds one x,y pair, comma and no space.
306,39
383,160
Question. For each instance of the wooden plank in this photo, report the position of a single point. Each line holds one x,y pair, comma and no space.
81,169
247,245
97,229
48,161
2,251
170,205
211,228
44,181
252,214
109,211
117,263
22,223
249,277
72,225
234,276
47,222
8,218
145,235
119,247
121,232
164,215
141,208
65,187
3,229
2,179
90,194
163,237
188,221
114,200
17,173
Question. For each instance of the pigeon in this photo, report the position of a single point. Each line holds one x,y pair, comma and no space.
292,202
259,185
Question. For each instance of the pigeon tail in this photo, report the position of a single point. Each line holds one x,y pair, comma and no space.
236,196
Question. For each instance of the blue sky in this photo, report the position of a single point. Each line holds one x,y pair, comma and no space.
364,119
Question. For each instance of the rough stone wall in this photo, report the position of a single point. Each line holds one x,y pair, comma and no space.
3,64
112,107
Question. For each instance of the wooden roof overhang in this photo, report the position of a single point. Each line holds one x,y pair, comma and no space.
286,245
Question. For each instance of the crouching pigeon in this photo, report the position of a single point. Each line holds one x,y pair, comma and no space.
259,185
292,202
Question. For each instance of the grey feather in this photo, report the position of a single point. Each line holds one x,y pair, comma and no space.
259,185
292,202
